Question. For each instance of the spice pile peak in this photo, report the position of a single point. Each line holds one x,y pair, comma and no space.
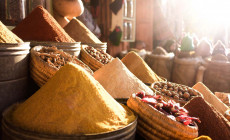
39,25
6,36
139,68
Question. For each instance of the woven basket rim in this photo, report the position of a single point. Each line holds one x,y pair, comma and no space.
91,56
153,116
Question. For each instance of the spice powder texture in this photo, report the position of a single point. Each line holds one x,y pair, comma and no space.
6,36
139,68
213,123
71,102
39,25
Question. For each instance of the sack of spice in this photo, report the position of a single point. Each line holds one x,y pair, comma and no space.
46,61
80,33
139,68
39,25
72,102
6,36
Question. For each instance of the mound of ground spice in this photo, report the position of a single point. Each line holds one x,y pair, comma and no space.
213,123
6,36
80,33
210,97
71,102
119,81
139,68
39,25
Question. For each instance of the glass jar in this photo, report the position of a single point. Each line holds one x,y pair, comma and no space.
34,3
129,30
13,11
125,8
130,8
125,30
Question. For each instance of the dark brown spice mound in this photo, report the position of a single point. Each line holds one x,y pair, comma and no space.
213,123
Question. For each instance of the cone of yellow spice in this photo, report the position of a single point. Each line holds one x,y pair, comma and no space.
71,102
139,68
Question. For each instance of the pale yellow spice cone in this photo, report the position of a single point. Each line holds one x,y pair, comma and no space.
119,81
80,33
139,68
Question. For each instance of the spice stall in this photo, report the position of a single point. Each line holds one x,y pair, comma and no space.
84,92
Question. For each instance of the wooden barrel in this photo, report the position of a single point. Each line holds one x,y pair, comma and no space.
71,48
10,132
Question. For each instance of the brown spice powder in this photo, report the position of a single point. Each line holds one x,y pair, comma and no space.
39,25
213,123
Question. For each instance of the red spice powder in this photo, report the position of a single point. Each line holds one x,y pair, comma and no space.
39,25
213,123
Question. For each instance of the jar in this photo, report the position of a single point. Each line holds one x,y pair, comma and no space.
125,8
31,4
14,11
129,30
125,36
130,8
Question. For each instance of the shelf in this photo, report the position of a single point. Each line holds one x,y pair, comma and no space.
128,18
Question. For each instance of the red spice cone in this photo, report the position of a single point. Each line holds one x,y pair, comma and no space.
39,25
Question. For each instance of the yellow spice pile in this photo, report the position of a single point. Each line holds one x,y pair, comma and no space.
72,102
139,68
6,36
80,33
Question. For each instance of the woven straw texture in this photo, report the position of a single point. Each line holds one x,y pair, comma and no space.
41,71
153,124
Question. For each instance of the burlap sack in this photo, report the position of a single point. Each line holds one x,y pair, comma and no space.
161,64
185,70
217,76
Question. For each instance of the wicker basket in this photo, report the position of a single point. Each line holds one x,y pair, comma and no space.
167,98
89,60
41,71
153,124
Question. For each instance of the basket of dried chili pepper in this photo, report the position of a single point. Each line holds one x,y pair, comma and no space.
158,119
46,61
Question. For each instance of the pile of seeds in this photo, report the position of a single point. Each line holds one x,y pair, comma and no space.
99,55
176,91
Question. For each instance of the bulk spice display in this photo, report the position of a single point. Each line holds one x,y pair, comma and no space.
39,25
73,102
6,36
